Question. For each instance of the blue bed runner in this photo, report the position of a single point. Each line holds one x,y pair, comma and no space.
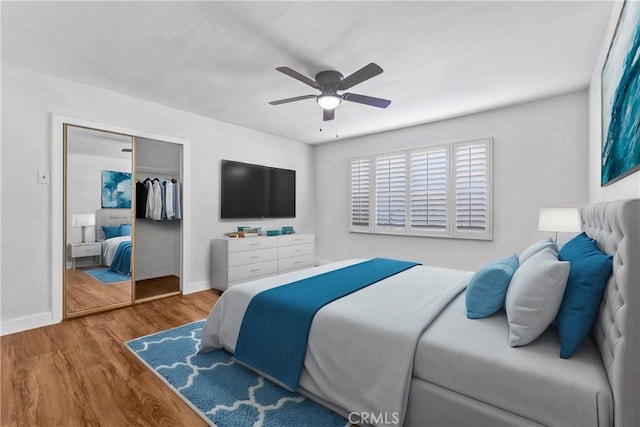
121,262
275,327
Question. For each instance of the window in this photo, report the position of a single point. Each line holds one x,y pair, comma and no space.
433,191
360,193
391,192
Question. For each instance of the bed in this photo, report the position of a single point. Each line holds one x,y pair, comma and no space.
116,243
433,366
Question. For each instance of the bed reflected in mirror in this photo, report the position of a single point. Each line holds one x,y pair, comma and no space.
98,193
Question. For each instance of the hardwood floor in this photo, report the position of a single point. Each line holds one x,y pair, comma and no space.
79,372
157,286
83,292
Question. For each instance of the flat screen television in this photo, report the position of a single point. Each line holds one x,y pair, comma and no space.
256,191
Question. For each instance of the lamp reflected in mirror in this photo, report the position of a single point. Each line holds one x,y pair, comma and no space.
84,220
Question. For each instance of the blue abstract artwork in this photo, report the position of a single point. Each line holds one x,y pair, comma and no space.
116,189
621,98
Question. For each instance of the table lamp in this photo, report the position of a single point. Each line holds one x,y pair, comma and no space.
559,220
83,220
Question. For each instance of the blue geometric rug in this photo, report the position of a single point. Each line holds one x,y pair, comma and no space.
221,391
107,276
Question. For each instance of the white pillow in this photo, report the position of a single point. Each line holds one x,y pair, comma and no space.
537,247
534,296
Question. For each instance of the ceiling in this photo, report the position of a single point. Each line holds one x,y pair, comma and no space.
218,59
91,142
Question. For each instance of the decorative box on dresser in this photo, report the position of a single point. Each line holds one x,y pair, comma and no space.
235,260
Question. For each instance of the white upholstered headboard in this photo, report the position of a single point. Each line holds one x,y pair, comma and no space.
616,330
110,217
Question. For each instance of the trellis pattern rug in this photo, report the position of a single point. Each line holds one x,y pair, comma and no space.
106,276
221,391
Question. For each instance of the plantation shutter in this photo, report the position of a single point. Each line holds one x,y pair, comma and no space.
471,183
428,199
391,191
360,190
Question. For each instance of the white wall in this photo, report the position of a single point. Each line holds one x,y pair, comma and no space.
28,98
540,160
628,187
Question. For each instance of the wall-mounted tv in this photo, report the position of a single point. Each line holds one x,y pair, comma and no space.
256,191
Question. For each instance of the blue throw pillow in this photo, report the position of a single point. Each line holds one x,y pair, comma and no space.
111,231
125,229
590,269
487,288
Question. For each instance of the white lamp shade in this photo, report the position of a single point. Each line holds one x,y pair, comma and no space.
559,220
83,220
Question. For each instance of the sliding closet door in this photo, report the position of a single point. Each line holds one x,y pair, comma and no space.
97,196
158,231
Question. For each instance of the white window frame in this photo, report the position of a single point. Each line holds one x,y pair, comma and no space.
451,230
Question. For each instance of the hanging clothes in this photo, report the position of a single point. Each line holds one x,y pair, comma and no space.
141,200
158,199
156,212
168,200
150,198
176,198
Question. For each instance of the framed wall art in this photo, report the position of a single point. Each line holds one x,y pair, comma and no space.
116,189
621,98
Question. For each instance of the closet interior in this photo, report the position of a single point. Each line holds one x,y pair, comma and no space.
158,231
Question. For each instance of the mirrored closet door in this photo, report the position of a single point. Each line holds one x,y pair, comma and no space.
98,229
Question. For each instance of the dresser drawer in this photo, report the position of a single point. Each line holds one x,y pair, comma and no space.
78,251
295,263
251,257
296,239
295,250
251,243
248,271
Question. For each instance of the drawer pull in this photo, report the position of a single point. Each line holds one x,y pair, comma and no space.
298,262
255,244
254,270
298,250
255,256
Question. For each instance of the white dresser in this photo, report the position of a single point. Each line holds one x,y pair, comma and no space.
235,261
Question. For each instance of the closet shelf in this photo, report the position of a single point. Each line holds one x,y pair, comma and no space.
158,171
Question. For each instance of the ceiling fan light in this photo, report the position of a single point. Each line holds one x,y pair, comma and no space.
328,102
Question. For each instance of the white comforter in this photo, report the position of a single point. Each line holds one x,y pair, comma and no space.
109,247
361,347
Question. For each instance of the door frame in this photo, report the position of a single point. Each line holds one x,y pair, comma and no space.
58,259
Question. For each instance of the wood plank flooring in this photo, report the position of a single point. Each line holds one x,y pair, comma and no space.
83,292
79,372
157,286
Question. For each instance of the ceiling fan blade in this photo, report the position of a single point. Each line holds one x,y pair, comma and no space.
368,100
296,98
328,115
296,75
364,73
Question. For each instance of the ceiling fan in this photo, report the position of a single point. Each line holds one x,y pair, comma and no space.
329,83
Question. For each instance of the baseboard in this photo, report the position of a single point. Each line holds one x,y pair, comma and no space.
196,287
25,323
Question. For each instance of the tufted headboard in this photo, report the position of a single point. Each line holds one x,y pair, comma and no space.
616,330
110,217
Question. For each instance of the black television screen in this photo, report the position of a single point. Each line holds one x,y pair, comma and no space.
255,191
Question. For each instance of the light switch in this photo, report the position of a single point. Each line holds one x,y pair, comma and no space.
43,176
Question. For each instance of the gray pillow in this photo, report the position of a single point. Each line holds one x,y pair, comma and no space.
534,296
537,247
